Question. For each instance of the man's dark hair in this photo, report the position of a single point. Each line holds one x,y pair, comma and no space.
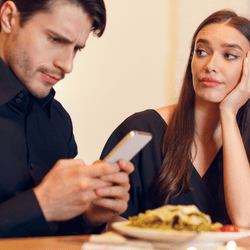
94,8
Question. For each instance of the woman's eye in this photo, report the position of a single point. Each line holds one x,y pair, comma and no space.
230,56
200,52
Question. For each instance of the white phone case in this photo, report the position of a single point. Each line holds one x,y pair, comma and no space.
129,146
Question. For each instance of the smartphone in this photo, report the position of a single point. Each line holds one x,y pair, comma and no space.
129,146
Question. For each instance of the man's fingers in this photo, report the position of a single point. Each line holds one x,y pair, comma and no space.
126,166
99,169
97,161
91,184
116,205
120,178
120,192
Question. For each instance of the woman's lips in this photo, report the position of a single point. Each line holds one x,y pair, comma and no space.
210,82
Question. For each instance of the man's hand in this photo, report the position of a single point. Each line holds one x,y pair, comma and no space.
112,199
69,188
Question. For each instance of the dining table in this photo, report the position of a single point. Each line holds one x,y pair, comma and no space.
45,243
78,242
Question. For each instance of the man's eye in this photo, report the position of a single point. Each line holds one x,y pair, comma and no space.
54,39
78,49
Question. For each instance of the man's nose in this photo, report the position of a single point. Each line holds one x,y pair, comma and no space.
64,62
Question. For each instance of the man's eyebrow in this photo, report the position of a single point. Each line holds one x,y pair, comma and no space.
65,39
224,45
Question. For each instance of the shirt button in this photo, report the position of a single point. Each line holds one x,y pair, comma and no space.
18,100
31,166
20,95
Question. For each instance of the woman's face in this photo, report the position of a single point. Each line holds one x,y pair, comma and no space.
217,61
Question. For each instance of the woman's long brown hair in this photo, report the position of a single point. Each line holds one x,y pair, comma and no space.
175,171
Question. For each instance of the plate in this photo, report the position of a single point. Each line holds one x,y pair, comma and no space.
179,237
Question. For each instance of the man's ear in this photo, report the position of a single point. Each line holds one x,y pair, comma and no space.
9,14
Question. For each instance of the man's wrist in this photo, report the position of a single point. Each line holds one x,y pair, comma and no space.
90,228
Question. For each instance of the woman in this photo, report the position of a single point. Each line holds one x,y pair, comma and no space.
200,149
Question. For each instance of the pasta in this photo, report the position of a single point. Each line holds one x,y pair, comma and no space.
170,217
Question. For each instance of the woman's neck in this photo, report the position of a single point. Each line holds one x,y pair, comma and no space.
207,121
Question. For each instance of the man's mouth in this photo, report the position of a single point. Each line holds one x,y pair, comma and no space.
50,79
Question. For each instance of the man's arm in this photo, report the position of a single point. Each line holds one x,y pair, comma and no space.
21,216
70,187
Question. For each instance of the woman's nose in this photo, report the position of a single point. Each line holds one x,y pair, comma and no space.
213,63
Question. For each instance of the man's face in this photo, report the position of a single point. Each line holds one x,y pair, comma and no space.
42,51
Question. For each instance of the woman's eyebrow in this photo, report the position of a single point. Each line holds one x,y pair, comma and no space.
232,45
224,45
201,40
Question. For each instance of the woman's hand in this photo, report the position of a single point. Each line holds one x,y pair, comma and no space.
241,93
236,168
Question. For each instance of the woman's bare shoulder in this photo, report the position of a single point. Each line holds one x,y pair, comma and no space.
166,112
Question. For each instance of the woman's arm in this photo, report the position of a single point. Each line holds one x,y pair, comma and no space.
236,169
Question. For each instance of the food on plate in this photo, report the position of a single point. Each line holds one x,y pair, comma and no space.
227,228
170,217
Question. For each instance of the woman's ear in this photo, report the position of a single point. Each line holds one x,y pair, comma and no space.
9,14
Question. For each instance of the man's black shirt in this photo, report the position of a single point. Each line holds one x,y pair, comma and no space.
34,134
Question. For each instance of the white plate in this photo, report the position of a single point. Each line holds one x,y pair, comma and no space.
179,237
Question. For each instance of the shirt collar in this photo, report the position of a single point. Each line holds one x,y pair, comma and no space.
10,86
45,102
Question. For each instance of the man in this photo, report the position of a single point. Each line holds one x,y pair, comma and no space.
43,190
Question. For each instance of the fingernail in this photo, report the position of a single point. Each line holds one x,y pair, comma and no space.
122,164
96,192
97,161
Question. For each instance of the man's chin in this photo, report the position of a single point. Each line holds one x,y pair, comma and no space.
40,94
